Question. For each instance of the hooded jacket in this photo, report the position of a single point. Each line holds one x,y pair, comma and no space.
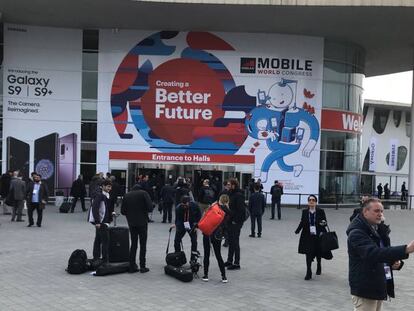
368,250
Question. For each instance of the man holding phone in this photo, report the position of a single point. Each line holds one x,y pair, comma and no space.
36,199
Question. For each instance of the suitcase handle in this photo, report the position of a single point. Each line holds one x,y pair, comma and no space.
169,238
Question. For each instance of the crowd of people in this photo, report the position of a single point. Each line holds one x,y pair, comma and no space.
372,259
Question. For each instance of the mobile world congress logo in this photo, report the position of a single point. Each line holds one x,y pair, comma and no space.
248,65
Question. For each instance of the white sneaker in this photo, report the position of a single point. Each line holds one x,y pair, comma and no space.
224,280
205,278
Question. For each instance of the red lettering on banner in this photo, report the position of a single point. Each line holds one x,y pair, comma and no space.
343,121
180,157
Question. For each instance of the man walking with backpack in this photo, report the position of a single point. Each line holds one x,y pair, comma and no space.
276,192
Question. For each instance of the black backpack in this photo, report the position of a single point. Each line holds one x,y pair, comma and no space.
77,263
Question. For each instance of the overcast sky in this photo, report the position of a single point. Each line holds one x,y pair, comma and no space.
395,87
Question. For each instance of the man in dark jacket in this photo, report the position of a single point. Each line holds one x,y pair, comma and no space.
4,189
257,204
371,258
36,199
235,223
187,215
379,189
167,195
78,191
100,217
17,193
206,195
276,191
136,205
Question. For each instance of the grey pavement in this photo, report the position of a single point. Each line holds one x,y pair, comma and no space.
32,275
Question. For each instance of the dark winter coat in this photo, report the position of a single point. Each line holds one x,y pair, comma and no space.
167,194
78,189
136,205
194,215
181,190
237,206
100,213
43,193
257,204
367,258
206,195
309,244
276,191
5,184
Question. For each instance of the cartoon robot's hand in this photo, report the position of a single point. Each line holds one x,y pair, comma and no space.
267,135
297,170
309,148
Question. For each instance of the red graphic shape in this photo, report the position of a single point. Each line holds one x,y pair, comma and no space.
308,94
120,121
183,95
126,74
206,41
235,133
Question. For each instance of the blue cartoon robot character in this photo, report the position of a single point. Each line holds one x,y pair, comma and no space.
277,120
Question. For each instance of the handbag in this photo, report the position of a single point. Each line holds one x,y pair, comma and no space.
328,241
176,259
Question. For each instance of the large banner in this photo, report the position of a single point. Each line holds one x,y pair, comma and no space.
199,97
42,102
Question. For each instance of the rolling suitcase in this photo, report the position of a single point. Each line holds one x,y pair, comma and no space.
66,206
118,243
179,273
212,218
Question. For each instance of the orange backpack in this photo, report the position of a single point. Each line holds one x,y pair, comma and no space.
212,218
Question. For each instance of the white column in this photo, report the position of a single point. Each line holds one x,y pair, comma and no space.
411,168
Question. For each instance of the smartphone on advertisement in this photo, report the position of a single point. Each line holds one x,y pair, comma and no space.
46,160
18,156
67,162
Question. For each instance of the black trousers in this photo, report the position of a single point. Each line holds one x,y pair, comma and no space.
179,234
101,243
167,211
234,243
217,252
309,260
279,212
140,232
75,199
39,211
253,220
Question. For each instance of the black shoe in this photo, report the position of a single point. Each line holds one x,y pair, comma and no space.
308,275
259,235
12,219
233,267
163,222
20,220
252,235
205,278
29,225
271,218
227,264
39,225
150,220
133,269
144,270
319,270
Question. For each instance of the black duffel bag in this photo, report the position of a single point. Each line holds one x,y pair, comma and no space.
176,259
179,273
328,241
112,268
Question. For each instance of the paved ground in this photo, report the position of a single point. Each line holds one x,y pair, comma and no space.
32,276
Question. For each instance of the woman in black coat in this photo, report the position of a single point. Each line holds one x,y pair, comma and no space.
312,224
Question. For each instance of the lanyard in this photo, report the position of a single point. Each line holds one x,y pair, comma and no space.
310,218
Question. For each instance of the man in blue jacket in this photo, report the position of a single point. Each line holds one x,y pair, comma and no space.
372,258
